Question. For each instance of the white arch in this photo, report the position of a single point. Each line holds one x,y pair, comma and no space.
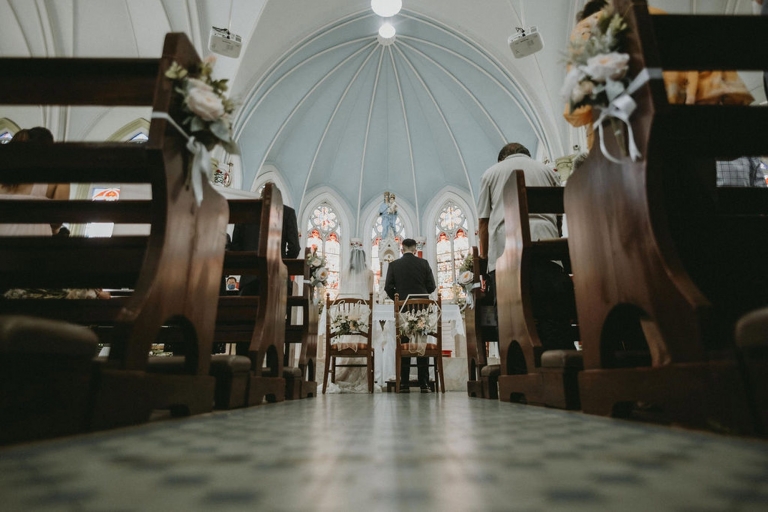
268,173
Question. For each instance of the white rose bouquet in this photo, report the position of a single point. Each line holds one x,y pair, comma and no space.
204,100
598,66
317,270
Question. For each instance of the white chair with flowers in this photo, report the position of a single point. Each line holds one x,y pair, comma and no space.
419,334
348,336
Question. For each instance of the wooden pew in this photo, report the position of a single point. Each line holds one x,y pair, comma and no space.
169,271
300,381
655,244
482,381
549,376
256,324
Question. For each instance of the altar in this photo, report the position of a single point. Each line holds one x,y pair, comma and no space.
383,339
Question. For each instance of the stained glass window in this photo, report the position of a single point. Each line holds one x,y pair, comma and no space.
452,246
324,236
139,137
5,137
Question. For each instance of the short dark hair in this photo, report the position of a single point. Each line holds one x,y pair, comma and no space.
409,243
591,8
513,148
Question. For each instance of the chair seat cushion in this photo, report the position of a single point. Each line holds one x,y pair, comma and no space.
562,359
491,370
413,347
348,346
21,334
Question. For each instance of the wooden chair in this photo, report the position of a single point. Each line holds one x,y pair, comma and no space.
550,376
169,271
482,378
300,380
409,349
358,346
656,244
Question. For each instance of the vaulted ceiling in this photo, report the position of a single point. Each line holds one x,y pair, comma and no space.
324,108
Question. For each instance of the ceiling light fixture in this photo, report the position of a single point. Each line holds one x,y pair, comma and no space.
386,34
386,8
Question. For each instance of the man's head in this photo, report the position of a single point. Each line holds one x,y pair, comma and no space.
410,245
513,148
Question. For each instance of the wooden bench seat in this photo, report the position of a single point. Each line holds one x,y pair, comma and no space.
169,271
655,244
529,373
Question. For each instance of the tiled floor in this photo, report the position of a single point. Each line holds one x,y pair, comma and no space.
388,452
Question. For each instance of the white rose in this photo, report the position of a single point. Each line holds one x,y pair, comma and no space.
315,262
321,274
582,90
607,65
204,102
466,277
572,79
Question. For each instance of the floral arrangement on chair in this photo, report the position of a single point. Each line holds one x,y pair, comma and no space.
598,77
348,323
419,322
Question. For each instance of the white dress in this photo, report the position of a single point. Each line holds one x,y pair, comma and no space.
38,191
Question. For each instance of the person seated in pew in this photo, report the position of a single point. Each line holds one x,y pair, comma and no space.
552,294
245,237
745,171
41,191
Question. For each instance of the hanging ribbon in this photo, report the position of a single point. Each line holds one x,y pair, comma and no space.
622,108
470,298
201,158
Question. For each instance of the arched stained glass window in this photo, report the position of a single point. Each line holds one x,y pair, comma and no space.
324,236
452,246
139,137
5,136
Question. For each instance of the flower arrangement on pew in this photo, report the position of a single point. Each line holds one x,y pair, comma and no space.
318,272
598,77
209,111
598,64
208,117
467,281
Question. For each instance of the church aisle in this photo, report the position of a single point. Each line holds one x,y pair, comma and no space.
387,452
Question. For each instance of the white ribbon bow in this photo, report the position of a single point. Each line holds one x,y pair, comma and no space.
622,108
201,159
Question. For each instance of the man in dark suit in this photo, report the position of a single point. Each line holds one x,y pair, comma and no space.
245,237
407,276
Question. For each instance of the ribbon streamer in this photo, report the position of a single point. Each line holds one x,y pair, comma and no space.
470,298
201,159
622,108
